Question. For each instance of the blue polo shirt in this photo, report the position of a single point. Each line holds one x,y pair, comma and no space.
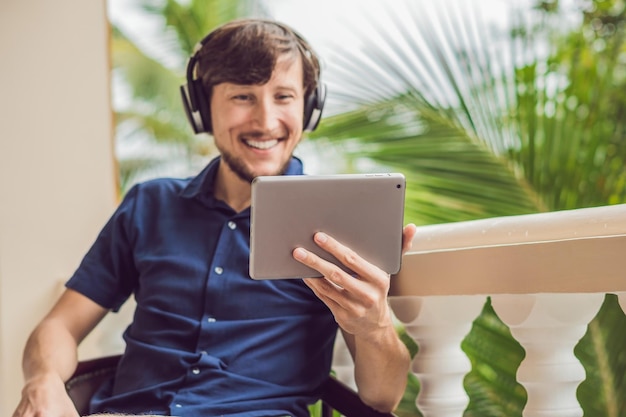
206,339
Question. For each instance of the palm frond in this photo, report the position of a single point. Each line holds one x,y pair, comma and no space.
488,120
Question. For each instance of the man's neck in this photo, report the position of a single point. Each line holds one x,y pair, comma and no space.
231,189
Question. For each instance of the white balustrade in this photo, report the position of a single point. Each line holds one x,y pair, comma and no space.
547,275
438,325
548,326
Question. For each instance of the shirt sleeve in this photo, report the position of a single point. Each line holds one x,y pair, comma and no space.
107,274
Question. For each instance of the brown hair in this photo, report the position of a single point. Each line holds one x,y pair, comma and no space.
245,52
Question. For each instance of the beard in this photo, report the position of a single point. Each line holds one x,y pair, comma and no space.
240,169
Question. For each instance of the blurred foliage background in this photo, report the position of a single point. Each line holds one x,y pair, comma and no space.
485,117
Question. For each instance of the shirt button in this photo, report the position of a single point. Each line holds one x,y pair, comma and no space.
232,225
219,270
195,371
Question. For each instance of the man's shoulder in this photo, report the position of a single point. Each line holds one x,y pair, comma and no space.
159,186
154,195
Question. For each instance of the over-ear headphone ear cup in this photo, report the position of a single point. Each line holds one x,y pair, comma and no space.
196,106
194,120
313,107
202,105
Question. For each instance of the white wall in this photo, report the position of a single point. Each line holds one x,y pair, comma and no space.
57,173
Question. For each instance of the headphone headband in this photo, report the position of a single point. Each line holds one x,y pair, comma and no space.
197,106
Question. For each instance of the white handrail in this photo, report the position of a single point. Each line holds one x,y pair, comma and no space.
575,251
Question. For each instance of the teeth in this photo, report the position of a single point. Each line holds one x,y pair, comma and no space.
262,144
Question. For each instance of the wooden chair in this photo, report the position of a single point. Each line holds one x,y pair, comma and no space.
92,373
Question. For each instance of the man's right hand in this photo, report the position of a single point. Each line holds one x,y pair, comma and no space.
50,356
45,396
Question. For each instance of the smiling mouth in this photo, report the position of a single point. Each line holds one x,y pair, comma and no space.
261,144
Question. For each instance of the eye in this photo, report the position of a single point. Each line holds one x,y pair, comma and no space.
284,96
242,97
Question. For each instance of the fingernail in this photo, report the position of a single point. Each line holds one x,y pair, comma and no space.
299,253
321,237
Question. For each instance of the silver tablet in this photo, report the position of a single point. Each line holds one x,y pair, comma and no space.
363,211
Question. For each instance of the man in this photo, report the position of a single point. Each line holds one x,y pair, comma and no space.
206,340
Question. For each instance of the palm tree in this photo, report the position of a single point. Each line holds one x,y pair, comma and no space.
489,119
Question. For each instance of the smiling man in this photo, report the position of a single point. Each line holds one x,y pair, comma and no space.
207,340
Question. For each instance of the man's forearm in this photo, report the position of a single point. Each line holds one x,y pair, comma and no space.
50,349
50,356
381,366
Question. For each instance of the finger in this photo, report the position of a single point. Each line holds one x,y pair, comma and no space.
345,255
408,233
326,291
329,271
330,295
343,304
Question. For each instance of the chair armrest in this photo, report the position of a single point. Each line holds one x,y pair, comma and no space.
89,375
343,399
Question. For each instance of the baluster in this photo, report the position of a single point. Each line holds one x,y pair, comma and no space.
438,324
621,297
548,326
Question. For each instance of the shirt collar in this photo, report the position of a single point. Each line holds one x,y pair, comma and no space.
202,185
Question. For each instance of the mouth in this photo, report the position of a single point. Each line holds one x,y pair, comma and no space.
261,144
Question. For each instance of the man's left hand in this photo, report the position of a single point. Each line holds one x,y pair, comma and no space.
359,300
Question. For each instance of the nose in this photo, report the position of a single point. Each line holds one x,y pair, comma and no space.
266,115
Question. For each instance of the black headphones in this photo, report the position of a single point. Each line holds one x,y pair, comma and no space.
198,111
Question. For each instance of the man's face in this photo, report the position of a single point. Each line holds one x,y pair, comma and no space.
257,127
